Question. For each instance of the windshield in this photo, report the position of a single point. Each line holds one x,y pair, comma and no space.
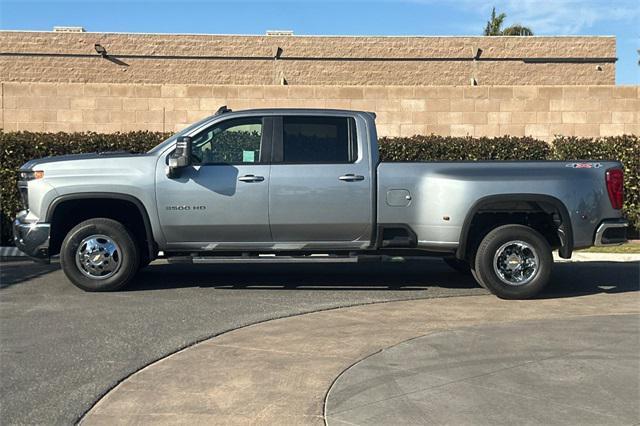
172,138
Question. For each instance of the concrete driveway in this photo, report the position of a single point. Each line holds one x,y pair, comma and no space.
561,371
62,349
474,360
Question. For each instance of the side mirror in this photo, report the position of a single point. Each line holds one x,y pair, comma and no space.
181,157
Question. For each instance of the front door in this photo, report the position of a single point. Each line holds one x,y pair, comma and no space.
222,199
320,186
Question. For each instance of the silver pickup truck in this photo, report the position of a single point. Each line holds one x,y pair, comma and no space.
304,185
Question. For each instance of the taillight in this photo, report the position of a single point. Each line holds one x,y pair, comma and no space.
615,178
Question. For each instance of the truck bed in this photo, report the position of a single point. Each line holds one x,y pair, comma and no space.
436,197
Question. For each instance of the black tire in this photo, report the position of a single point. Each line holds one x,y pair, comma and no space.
475,276
472,270
459,265
126,256
527,243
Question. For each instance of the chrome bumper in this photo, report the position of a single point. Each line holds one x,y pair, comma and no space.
31,238
611,232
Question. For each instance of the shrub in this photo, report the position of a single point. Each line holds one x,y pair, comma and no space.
441,148
16,148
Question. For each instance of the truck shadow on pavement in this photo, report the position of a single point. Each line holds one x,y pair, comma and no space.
409,276
16,271
568,279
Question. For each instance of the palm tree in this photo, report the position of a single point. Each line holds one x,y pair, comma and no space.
494,27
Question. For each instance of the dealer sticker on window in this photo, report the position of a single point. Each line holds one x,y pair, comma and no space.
248,156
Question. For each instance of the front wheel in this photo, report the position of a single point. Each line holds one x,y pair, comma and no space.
99,255
513,262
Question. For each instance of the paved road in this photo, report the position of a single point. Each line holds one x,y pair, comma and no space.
561,371
63,348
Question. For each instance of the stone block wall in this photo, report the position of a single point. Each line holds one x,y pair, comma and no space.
305,60
539,111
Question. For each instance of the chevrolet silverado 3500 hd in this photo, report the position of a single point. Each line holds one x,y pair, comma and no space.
303,183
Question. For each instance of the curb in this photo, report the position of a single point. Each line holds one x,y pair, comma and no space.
599,257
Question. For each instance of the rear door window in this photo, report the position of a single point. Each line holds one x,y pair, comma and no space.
318,140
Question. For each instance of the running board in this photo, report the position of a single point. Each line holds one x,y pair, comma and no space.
280,259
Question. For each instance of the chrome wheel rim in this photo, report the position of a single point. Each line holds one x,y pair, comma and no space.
516,263
98,257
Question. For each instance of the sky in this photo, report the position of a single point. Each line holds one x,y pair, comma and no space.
620,18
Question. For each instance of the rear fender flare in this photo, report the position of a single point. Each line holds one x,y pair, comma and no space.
565,231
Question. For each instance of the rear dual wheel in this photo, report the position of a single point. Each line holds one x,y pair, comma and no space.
513,262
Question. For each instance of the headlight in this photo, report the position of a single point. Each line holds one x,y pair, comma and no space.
24,196
23,177
26,175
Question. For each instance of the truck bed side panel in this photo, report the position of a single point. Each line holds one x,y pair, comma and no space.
449,189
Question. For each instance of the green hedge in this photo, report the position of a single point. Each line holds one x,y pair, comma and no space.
16,148
443,148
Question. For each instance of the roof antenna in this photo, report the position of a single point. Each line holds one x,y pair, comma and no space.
223,109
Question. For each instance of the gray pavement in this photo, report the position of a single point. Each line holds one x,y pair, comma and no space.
568,371
62,348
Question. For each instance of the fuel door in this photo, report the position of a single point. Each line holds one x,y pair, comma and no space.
398,198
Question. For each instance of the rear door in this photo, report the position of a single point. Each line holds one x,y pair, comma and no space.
320,185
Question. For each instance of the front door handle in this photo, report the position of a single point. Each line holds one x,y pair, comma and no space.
250,178
351,177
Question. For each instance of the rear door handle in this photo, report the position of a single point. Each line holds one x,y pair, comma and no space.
351,177
251,178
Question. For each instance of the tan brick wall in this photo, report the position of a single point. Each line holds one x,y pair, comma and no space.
539,111
305,60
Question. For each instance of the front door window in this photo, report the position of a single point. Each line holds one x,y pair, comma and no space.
235,141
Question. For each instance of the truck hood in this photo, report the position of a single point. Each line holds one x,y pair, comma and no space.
33,164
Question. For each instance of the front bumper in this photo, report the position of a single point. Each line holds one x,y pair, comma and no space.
32,238
611,232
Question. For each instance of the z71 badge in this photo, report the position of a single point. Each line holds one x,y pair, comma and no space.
186,208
